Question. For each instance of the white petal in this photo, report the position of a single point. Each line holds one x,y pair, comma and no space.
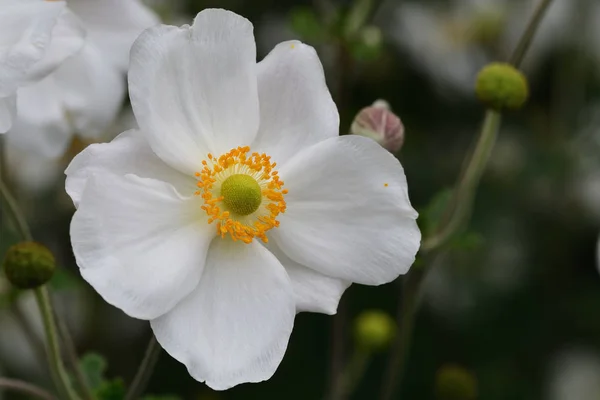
8,109
128,153
314,292
113,25
68,38
25,33
235,326
341,218
193,90
296,108
139,243
41,125
92,91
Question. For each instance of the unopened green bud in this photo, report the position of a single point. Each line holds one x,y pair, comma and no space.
455,383
379,123
374,330
28,265
500,86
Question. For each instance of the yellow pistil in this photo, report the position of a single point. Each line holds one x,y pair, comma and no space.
242,194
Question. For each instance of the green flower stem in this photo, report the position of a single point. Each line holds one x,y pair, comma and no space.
25,388
73,360
145,370
462,196
527,37
15,212
352,374
57,369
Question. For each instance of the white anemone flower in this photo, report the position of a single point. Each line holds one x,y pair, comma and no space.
85,94
236,204
36,36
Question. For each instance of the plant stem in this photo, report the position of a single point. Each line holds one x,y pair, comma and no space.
74,360
15,212
25,388
411,286
57,368
145,370
462,196
353,374
525,41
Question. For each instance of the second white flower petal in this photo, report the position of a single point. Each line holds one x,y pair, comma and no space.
139,244
348,213
193,90
235,326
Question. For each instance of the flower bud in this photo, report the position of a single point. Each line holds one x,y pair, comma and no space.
500,86
28,265
379,123
374,330
455,383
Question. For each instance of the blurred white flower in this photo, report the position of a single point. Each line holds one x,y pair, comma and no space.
36,36
86,92
180,224
574,376
453,41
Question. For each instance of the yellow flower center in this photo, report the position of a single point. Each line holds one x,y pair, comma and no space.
242,194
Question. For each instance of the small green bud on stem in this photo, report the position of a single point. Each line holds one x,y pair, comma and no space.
28,265
501,86
374,330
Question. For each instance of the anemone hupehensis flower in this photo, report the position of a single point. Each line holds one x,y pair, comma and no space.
236,204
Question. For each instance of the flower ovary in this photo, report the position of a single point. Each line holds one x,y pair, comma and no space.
241,194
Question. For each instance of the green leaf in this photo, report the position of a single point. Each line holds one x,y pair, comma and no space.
93,366
111,390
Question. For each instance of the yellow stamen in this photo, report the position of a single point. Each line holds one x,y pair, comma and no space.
223,178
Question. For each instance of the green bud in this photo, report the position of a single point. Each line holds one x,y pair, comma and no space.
500,86
28,265
374,330
455,383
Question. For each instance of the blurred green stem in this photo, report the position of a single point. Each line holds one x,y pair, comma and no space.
144,371
57,369
25,388
15,212
73,360
462,196
352,374
527,37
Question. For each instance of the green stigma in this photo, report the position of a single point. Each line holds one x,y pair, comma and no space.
241,194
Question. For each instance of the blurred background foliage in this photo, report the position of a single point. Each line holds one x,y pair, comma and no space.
514,299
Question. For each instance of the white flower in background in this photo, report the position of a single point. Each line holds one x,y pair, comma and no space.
453,41
187,222
84,95
574,376
36,36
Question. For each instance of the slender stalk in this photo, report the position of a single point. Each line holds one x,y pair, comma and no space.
353,374
25,388
145,370
462,196
57,368
15,212
411,287
73,360
525,41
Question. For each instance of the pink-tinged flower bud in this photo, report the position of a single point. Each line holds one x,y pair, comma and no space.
379,123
